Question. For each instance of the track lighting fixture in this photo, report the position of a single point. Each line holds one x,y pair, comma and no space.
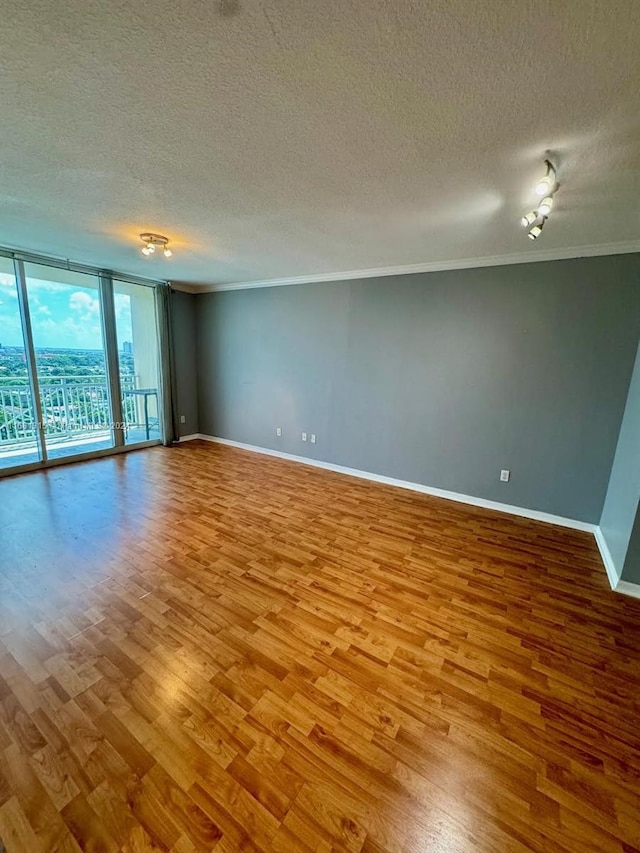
546,187
153,240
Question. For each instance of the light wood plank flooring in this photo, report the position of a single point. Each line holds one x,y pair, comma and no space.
203,648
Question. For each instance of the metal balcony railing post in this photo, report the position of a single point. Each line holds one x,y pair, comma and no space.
65,406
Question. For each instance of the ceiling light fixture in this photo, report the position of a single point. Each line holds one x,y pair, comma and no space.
151,241
528,219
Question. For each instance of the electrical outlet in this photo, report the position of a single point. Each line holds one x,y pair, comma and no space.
313,438
183,420
278,431
304,436
504,475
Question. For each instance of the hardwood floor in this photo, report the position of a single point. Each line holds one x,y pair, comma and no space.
203,648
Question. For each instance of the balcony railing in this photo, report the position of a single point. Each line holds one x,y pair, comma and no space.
72,407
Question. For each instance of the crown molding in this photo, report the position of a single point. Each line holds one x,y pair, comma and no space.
535,256
185,287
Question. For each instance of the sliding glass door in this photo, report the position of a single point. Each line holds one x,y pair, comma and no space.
67,329
80,369
19,434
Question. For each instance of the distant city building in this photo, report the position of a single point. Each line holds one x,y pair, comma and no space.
127,348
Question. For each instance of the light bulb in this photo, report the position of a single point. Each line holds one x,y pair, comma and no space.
167,252
544,186
528,219
150,248
544,208
535,232
146,250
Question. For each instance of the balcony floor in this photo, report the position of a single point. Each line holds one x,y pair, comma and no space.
11,457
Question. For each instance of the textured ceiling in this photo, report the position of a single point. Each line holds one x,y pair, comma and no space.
273,139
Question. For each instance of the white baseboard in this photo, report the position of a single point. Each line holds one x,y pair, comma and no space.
627,588
414,487
613,574
191,437
623,587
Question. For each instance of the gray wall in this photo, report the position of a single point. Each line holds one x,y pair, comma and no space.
183,327
623,494
441,378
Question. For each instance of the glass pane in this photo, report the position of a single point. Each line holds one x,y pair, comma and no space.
137,335
66,321
18,426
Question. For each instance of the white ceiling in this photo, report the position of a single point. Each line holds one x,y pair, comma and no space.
273,140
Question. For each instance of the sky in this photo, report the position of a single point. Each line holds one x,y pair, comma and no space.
62,316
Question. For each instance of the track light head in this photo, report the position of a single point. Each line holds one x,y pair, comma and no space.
546,184
536,231
528,219
167,252
544,208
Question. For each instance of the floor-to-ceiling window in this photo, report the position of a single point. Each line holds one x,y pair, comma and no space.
79,363
136,330
19,435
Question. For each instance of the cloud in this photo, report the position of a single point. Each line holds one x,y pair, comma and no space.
122,305
83,303
83,332
10,330
43,325
8,284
